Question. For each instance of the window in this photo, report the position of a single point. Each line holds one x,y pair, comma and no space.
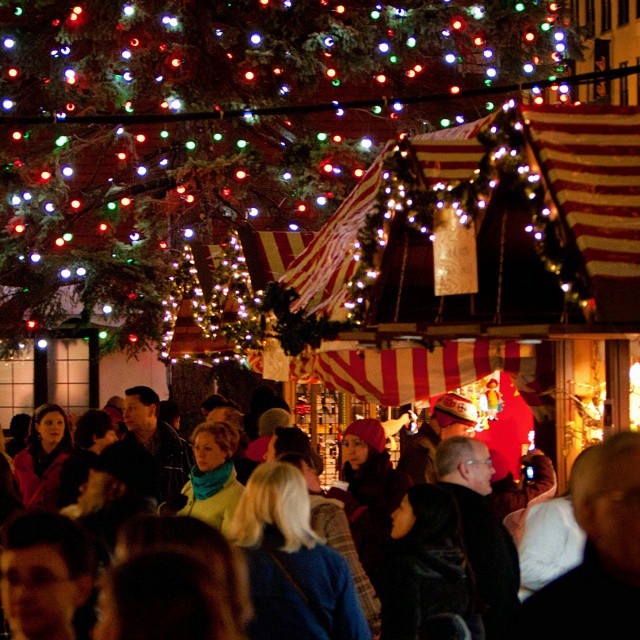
624,86
623,12
605,9
590,17
16,386
69,382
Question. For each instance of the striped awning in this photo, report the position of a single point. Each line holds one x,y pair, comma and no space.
397,376
591,158
320,274
269,253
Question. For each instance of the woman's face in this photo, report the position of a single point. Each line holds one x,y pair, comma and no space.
356,451
208,453
51,430
403,519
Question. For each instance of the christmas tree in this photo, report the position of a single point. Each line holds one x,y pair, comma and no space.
131,128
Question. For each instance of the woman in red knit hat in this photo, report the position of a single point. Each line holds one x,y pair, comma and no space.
374,493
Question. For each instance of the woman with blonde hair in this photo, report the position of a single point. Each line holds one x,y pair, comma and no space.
300,588
213,491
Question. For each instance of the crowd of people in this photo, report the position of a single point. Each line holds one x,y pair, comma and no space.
118,528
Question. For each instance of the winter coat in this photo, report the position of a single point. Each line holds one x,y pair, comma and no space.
552,544
494,561
586,603
279,609
424,580
217,510
40,493
171,455
378,489
329,521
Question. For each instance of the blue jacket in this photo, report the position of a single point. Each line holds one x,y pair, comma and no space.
279,610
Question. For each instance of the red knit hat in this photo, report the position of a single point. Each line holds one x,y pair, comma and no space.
369,430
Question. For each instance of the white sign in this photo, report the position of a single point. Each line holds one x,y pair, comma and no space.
455,261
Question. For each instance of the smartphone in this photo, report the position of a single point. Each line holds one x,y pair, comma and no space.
529,472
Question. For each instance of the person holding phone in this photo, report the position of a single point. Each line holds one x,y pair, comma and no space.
510,498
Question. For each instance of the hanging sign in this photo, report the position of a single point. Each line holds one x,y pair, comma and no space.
455,262
276,365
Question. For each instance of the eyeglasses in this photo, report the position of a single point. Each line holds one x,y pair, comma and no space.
488,462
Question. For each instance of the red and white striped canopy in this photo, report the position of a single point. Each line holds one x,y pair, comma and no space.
397,376
320,273
591,158
269,253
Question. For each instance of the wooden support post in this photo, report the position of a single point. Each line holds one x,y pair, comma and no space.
564,411
617,364
313,425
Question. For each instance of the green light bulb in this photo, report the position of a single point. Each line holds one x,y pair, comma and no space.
242,144
103,335
217,137
67,237
164,133
61,141
111,206
322,136
190,145
445,122
519,7
375,15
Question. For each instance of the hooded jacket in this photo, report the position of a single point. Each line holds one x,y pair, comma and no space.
424,580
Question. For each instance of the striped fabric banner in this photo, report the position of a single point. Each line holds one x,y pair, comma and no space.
591,157
319,273
277,249
393,377
450,154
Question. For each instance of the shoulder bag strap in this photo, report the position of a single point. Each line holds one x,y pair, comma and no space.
311,605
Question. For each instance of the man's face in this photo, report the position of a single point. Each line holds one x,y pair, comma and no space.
137,415
96,491
612,520
39,597
457,429
479,468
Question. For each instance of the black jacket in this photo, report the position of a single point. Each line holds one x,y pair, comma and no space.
422,581
494,560
585,603
171,455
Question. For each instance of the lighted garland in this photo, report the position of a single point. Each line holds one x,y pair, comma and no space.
232,313
503,166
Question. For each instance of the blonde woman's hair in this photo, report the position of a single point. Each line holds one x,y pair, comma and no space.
276,494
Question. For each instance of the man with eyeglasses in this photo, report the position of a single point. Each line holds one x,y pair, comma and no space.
599,598
48,570
464,468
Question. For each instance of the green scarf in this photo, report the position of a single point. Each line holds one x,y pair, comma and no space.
208,484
